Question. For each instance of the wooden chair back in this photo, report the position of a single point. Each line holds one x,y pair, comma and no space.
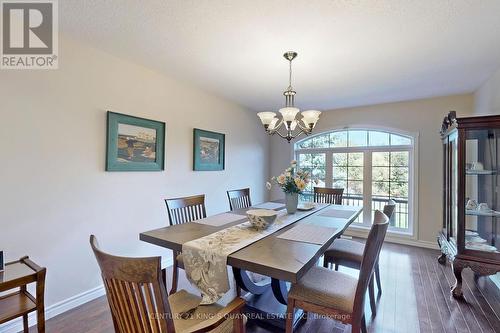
239,198
187,209
136,294
328,195
389,209
370,257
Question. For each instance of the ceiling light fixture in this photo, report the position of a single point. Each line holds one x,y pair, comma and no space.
293,127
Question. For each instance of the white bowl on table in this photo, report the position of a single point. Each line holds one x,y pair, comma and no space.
261,219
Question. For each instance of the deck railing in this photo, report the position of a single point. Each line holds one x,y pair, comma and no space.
399,219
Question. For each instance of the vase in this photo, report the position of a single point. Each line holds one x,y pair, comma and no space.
291,201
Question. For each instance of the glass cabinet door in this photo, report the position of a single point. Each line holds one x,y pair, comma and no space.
453,174
446,187
481,187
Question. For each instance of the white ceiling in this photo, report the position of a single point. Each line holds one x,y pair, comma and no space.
351,52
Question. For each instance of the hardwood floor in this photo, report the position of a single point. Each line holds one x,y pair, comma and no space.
416,298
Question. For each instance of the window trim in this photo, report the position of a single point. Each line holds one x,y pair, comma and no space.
412,231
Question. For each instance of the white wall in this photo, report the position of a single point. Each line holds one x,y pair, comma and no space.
423,117
487,97
54,190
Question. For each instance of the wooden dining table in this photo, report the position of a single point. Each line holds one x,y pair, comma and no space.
284,261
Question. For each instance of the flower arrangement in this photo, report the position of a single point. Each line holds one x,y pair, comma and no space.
292,180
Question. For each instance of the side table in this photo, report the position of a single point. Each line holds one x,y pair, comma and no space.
18,274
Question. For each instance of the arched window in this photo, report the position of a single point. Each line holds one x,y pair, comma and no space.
372,166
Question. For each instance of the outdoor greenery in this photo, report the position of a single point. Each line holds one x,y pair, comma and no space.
390,174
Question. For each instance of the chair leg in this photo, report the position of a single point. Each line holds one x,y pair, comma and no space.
289,315
40,308
175,275
377,276
164,276
239,323
25,324
336,267
326,262
40,324
371,292
357,327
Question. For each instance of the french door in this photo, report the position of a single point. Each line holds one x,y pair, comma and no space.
370,177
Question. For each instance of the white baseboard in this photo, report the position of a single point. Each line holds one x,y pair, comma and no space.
413,242
53,310
397,239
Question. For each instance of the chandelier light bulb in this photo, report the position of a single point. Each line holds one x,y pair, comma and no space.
273,123
310,117
266,117
289,113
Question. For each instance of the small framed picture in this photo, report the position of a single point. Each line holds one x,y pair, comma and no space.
134,144
208,150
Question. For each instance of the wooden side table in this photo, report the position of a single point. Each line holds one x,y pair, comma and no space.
18,274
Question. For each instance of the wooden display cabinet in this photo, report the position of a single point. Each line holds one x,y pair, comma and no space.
469,236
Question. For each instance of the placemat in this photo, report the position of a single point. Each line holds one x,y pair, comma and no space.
221,219
338,213
308,233
269,205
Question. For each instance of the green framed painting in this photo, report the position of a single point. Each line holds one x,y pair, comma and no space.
208,150
134,144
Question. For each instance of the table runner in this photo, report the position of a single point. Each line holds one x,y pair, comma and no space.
205,258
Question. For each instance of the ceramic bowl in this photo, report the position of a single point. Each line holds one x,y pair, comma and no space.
261,218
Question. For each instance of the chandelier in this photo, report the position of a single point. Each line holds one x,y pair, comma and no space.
292,126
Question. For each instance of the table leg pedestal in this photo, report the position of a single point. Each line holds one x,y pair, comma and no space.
267,303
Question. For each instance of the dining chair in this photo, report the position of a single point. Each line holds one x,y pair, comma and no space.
328,195
183,210
335,294
349,253
139,302
239,198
